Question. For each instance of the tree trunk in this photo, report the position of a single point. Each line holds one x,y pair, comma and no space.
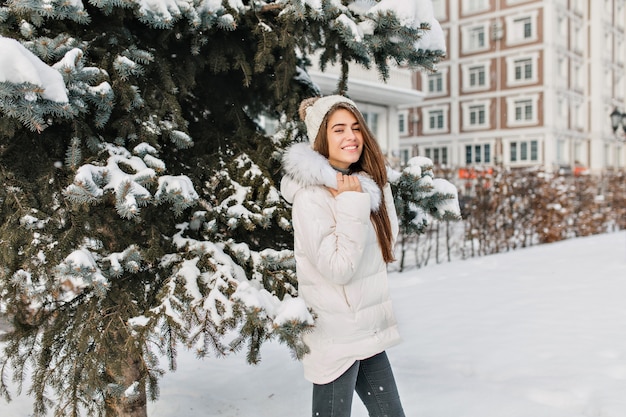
134,405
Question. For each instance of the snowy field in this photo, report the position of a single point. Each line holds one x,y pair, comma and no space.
539,332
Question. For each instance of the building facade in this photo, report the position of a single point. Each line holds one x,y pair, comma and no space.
525,83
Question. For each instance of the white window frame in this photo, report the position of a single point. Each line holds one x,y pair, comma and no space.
435,120
515,28
478,153
513,103
428,113
511,69
474,6
403,122
524,112
577,114
522,146
576,36
443,154
441,75
467,71
562,71
468,36
467,109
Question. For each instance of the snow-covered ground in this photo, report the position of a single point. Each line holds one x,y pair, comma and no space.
539,332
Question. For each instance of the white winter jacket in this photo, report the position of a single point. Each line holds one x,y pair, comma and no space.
341,272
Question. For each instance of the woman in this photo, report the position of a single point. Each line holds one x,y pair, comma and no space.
345,226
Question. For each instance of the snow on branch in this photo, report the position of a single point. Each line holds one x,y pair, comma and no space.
91,182
78,271
18,65
177,190
420,198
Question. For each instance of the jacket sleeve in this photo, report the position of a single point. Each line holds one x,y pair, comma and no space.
332,240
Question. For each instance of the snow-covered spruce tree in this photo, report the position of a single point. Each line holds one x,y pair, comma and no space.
420,200
138,202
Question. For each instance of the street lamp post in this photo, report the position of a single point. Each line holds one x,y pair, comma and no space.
618,118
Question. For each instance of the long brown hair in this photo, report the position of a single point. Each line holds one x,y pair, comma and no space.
372,162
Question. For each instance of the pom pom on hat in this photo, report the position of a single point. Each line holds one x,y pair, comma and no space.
313,110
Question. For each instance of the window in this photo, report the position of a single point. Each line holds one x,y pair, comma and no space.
577,76
577,36
523,69
472,6
435,119
403,123
523,110
476,154
439,156
435,83
577,115
474,38
522,28
404,156
477,115
527,27
524,151
562,71
477,38
477,76
562,30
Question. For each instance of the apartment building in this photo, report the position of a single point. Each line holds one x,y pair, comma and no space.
525,83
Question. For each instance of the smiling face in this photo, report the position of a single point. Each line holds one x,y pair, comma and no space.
345,140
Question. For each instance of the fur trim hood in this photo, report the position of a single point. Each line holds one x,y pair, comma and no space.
305,167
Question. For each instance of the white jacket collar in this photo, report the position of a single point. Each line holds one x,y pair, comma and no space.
305,167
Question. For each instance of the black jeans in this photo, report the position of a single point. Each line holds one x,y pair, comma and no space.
372,379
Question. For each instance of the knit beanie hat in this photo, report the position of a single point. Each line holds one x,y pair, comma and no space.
313,110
